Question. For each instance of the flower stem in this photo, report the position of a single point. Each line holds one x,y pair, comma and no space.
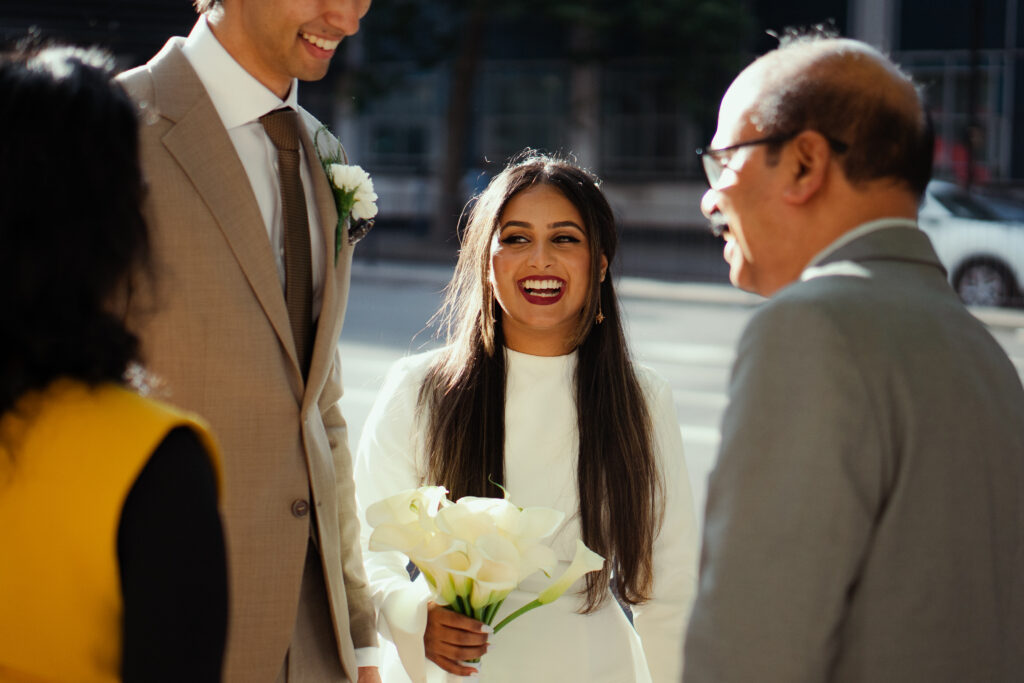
462,607
491,610
518,613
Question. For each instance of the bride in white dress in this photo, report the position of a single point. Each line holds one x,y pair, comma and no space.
535,391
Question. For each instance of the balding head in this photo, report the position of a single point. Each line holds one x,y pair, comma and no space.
850,93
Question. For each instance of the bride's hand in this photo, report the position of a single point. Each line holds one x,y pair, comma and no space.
452,638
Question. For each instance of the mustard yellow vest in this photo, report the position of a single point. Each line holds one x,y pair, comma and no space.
68,457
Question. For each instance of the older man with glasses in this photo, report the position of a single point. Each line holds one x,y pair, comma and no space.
865,518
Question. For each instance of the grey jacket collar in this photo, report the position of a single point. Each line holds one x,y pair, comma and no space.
887,244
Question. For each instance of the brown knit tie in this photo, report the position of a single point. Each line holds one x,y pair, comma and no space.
282,126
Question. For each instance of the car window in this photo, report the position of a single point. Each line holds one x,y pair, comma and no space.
1006,209
963,205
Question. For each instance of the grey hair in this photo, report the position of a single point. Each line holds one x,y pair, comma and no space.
204,6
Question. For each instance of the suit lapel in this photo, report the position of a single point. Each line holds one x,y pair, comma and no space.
200,144
327,327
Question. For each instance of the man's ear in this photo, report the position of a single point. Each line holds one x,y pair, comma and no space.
809,157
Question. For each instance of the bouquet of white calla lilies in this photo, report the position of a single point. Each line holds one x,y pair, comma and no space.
476,551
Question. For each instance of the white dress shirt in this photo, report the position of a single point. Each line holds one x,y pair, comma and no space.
240,101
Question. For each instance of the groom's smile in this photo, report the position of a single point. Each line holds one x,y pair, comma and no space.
280,40
323,45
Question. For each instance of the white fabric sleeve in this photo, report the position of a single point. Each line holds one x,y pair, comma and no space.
368,656
661,622
386,463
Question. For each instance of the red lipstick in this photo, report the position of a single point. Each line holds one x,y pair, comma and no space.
542,290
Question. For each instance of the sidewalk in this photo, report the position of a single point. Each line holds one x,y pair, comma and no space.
438,275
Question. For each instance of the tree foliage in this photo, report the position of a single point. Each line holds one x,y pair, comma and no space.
704,41
699,42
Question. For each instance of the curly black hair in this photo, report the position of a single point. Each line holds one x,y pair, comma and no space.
72,231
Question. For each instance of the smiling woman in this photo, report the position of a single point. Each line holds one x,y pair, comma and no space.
540,271
535,392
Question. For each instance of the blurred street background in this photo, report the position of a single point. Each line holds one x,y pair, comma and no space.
685,331
432,98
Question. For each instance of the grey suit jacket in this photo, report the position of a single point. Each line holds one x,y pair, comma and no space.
217,332
865,520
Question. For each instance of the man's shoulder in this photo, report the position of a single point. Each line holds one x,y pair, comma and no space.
839,290
811,298
140,81
804,317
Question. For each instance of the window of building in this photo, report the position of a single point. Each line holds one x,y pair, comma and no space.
522,104
645,131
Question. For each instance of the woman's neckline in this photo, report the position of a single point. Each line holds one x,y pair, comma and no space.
512,353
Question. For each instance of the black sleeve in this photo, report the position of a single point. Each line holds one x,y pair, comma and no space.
170,547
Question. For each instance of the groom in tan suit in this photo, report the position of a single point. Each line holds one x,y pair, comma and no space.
243,328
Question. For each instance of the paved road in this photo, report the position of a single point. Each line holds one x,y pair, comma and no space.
685,332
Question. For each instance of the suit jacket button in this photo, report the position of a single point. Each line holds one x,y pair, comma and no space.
300,507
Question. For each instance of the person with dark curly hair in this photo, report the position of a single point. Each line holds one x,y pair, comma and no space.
112,564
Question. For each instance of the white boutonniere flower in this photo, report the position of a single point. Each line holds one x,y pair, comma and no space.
353,195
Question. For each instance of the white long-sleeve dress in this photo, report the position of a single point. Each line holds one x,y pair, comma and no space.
554,642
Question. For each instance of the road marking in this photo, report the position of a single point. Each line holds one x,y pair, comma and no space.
685,354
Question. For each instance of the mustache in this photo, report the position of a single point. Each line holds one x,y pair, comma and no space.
717,224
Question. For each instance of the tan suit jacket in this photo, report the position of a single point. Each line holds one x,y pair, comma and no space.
218,333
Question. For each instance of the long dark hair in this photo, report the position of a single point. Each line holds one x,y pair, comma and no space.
71,226
620,491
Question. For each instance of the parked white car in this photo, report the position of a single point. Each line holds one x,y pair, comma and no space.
981,249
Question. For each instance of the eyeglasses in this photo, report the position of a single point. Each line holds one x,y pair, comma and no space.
714,165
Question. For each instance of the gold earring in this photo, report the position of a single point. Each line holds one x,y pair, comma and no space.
600,316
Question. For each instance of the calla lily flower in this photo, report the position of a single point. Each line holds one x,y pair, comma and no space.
586,560
465,522
436,554
453,572
407,506
401,537
535,523
494,581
